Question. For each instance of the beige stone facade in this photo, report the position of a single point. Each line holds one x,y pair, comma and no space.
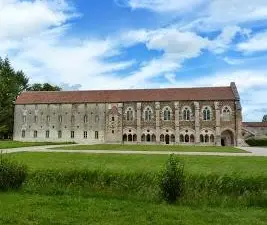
186,122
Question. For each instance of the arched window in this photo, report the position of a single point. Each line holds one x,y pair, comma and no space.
134,137
161,138
85,119
186,138
181,138
124,137
153,138
186,114
129,114
226,113
212,138
148,114
201,138
148,138
207,138
143,137
206,113
130,137
172,138
192,138
167,114
72,119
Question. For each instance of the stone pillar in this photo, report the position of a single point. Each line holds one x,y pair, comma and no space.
218,124
138,121
120,120
197,125
177,122
238,120
157,107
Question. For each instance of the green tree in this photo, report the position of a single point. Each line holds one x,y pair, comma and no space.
43,87
12,83
264,119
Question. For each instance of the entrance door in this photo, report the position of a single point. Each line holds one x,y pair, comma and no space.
167,139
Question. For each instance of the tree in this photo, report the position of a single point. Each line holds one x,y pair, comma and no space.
264,119
43,87
12,83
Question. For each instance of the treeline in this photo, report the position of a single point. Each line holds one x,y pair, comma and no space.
12,83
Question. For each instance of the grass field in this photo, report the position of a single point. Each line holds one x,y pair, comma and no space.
181,148
247,166
27,209
18,144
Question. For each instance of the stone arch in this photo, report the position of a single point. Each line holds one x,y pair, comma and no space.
148,137
153,138
167,139
124,137
227,137
181,138
134,137
143,137
192,138
173,138
161,138
186,138
130,137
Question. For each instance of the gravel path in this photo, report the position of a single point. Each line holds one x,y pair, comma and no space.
252,151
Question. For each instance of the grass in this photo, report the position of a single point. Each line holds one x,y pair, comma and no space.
221,165
18,144
28,209
181,148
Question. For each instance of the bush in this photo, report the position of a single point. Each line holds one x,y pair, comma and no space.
171,180
257,142
12,174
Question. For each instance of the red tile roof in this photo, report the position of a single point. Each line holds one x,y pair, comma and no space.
130,95
255,124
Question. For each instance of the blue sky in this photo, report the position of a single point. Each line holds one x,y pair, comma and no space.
111,44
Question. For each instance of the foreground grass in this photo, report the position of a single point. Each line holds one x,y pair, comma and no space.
221,165
25,209
180,148
18,144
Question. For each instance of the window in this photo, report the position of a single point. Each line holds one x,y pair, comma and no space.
85,119
226,113
72,134
167,114
129,114
47,134
96,134
85,134
35,134
59,134
206,114
148,114
35,119
72,119
186,114
112,131
24,119
112,118
48,119
60,118
23,134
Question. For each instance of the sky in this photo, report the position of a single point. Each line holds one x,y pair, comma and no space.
119,44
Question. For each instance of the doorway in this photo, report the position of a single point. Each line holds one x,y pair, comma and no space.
222,142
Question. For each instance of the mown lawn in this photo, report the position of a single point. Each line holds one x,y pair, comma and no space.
181,148
27,209
18,144
247,166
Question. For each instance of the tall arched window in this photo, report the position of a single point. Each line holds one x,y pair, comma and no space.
201,138
226,113
186,114
186,138
148,114
167,114
161,138
129,114
181,138
192,138
206,113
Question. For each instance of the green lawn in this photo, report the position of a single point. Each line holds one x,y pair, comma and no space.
248,166
181,148
18,144
25,209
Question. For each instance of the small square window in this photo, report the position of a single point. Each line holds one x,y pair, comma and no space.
113,119
85,134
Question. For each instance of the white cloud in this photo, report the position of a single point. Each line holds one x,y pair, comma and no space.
255,44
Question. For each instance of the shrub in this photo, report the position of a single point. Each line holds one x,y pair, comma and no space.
171,180
12,174
257,142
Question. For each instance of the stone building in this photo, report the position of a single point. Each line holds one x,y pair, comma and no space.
254,129
193,116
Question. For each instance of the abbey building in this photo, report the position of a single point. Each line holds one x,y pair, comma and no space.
190,116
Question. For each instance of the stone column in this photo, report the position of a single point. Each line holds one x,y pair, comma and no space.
177,122
218,124
138,121
239,139
157,107
197,125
